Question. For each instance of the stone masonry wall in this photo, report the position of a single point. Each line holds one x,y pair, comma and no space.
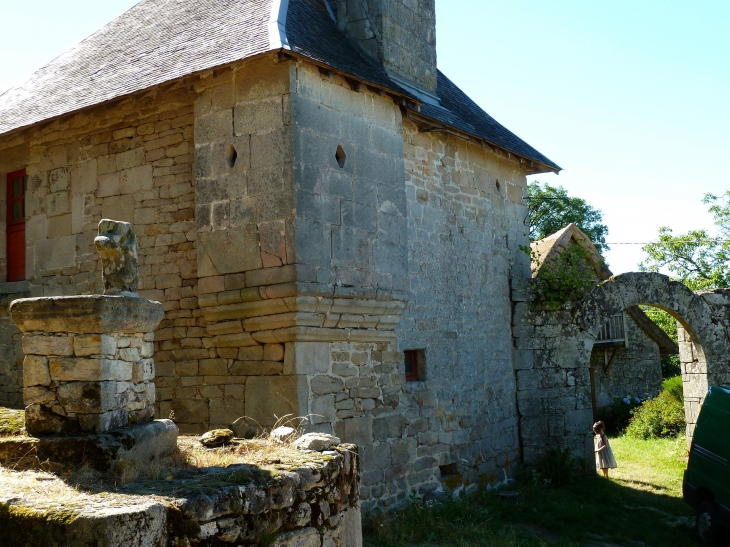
401,34
11,353
129,160
465,225
636,371
296,500
87,382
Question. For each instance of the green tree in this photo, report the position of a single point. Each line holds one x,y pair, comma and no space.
552,209
696,258
670,363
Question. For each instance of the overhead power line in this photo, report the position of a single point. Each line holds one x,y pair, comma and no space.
679,241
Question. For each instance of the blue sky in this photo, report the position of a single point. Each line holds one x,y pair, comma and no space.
630,98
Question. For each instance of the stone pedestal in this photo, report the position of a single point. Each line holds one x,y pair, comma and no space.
88,362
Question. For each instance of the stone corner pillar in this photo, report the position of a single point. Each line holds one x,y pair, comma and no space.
88,362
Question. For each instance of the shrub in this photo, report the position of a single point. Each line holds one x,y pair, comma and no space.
657,418
558,467
623,409
674,387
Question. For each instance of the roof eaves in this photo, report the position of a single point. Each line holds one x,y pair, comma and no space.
533,166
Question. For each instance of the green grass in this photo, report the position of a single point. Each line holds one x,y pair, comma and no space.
640,505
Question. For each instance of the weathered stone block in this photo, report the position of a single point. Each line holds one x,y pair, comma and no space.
322,409
48,345
83,177
229,251
190,410
271,396
35,371
59,252
258,115
225,412
306,358
38,395
326,384
356,430
274,352
87,397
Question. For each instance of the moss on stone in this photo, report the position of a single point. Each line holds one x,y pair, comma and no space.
27,527
12,422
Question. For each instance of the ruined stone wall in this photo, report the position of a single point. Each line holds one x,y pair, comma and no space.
294,500
636,371
554,348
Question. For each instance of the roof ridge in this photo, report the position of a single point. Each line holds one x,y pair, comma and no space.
277,24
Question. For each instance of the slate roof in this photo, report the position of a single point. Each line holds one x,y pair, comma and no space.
159,41
154,42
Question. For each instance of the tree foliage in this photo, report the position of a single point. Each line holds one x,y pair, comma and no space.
552,209
566,278
696,258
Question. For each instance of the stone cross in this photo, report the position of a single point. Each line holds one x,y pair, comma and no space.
117,245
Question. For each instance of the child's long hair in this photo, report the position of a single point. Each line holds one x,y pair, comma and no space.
599,428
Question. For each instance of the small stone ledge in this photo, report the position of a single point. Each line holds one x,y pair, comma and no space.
137,445
14,287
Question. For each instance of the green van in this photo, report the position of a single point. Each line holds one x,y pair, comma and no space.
706,485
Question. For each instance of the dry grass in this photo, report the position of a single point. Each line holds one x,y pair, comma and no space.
201,467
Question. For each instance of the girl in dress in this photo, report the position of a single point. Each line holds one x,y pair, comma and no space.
604,454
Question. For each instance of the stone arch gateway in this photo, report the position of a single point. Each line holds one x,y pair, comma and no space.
552,372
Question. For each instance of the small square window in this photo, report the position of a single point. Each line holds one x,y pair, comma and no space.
414,363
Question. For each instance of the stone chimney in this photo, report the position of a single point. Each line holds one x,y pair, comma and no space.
399,33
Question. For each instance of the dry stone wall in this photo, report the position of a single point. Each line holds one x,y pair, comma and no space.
87,382
308,500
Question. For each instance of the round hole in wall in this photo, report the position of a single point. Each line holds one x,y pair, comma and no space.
340,156
231,156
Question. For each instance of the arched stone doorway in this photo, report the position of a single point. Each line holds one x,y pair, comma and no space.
553,377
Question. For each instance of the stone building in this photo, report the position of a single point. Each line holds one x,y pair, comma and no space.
332,226
626,356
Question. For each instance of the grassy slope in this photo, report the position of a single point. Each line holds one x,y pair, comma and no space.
640,505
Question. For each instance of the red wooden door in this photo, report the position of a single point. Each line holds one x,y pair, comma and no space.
17,185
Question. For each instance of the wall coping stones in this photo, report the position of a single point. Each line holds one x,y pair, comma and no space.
91,314
312,500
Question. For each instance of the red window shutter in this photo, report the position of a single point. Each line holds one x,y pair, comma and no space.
17,185
411,359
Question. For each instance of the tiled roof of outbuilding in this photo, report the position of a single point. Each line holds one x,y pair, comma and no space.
159,41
